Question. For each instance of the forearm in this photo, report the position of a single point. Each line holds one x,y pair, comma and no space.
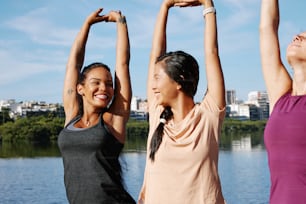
215,80
159,44
77,52
210,33
123,44
268,31
269,18
122,80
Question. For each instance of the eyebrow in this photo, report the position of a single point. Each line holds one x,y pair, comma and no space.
95,79
98,79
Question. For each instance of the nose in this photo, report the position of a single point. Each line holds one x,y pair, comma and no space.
102,86
153,85
296,38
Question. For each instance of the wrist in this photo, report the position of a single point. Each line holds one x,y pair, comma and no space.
122,19
209,10
208,3
167,5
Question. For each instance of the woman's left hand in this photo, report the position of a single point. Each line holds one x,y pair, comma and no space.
186,3
113,16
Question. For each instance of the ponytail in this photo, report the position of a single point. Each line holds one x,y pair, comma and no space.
157,135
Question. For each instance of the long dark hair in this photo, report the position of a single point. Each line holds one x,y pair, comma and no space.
157,135
82,76
183,69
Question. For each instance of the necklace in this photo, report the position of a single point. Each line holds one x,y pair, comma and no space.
88,122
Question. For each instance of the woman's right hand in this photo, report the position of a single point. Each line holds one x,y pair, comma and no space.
95,17
182,3
206,3
113,16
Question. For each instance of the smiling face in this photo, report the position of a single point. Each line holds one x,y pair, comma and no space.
164,88
296,50
97,88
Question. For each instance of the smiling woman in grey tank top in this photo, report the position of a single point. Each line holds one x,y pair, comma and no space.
96,112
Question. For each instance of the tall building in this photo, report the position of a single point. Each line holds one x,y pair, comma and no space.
230,97
138,109
134,103
256,108
261,101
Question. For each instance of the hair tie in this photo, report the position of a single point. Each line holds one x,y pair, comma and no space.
163,120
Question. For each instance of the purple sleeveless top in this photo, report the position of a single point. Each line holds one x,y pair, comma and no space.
285,141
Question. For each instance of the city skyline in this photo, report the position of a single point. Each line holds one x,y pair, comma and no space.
230,95
36,37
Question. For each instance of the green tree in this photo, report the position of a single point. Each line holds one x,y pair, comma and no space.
5,115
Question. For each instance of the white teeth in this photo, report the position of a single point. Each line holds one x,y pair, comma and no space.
101,96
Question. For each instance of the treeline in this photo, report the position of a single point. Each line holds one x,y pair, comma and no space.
47,128
36,129
230,125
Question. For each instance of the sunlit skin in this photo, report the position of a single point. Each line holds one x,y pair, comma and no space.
277,78
296,50
174,102
165,89
97,90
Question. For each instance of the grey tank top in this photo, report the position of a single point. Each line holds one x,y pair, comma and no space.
92,172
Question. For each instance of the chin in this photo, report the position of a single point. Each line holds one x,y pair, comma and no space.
103,104
162,104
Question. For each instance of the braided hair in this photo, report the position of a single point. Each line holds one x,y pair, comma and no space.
157,135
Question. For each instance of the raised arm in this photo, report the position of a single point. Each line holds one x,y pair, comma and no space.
123,90
214,74
159,44
74,64
276,76
119,111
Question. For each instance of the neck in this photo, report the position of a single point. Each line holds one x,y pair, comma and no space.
299,82
89,119
181,108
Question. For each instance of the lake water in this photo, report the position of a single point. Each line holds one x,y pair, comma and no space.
38,179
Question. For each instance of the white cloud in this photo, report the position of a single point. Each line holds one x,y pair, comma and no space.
37,26
37,43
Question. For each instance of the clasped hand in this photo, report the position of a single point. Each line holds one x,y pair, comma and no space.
185,3
95,17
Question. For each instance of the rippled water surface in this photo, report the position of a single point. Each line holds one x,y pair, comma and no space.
39,180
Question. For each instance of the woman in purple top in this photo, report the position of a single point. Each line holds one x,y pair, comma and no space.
285,132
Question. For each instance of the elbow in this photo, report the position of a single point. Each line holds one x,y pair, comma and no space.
269,26
212,52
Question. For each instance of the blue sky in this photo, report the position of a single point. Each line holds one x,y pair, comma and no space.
36,36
